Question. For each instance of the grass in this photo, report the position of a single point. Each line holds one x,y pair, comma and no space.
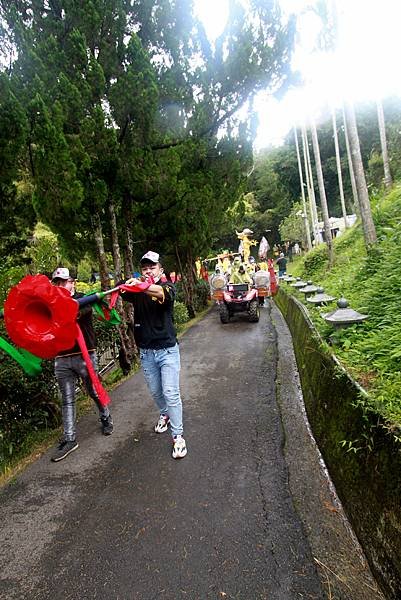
371,282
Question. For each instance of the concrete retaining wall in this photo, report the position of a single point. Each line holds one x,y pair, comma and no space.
367,470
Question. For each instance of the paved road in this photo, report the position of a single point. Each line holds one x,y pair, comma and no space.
120,519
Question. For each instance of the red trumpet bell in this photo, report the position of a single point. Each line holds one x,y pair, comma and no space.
41,317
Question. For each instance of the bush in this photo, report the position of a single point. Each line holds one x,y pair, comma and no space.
180,314
27,404
8,278
87,288
201,294
316,261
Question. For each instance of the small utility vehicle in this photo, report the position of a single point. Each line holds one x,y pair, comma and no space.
239,297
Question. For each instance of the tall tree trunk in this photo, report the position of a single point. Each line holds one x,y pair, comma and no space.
301,180
101,254
311,189
339,174
369,230
129,267
388,182
188,282
128,348
128,242
322,192
350,167
115,242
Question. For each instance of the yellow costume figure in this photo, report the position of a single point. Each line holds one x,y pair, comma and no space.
250,269
226,264
238,273
198,266
246,243
219,265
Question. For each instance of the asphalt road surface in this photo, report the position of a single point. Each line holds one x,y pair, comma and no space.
119,519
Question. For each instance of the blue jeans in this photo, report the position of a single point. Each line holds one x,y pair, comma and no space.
68,369
162,373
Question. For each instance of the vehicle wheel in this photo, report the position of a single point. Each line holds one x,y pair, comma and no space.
253,311
224,314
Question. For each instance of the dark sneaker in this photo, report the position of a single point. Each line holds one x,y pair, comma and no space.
65,448
107,425
162,424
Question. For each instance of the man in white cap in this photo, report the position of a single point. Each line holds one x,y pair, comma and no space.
156,339
70,366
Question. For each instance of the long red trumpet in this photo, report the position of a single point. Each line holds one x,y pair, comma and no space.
41,318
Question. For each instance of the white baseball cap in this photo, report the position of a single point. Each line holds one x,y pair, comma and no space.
61,273
150,256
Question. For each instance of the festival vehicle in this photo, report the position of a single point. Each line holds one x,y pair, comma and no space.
235,298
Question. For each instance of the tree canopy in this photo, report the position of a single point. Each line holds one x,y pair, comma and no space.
275,180
128,105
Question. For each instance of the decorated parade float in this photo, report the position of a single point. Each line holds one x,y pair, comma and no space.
241,285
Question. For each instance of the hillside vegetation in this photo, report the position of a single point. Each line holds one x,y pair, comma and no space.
370,351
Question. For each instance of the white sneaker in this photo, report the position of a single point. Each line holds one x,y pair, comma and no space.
162,424
179,447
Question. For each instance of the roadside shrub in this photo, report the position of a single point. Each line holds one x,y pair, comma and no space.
316,261
8,278
202,292
87,288
27,404
180,314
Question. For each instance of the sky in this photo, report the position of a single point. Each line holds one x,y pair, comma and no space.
363,67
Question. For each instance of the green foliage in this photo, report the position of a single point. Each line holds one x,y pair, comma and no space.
375,174
26,403
370,283
148,121
275,180
85,270
202,293
316,261
275,185
44,251
9,276
17,215
292,227
86,288
180,314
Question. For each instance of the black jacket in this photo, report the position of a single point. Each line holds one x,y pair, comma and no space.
153,319
85,322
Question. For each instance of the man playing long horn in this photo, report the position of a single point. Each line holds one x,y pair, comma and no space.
70,366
